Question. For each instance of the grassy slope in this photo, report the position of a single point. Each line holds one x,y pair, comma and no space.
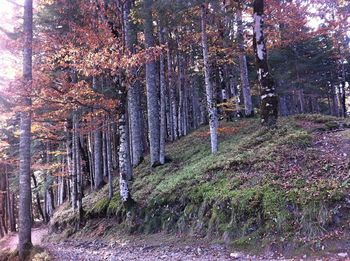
266,186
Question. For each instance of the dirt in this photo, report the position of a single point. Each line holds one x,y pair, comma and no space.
334,147
9,242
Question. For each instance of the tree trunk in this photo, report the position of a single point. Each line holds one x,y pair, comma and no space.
109,162
172,91
269,101
79,174
38,202
211,106
25,192
99,182
134,93
162,135
151,84
248,106
124,145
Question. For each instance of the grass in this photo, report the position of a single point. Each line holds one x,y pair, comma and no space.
259,187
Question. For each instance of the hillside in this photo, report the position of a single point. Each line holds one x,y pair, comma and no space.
283,190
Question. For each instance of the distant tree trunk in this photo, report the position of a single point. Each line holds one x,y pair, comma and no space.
335,104
69,151
49,203
109,162
38,201
283,105
151,84
12,213
134,93
75,166
181,96
104,150
99,182
162,135
77,163
269,101
211,106
25,192
248,106
172,91
301,101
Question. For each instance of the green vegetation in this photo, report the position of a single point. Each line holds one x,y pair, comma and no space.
263,185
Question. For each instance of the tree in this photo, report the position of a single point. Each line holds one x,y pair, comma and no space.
269,101
248,106
25,193
211,106
152,92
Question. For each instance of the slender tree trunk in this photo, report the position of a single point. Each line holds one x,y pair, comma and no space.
125,174
151,84
134,93
99,182
211,106
38,201
78,168
109,162
25,192
162,100
74,165
269,101
248,106
172,91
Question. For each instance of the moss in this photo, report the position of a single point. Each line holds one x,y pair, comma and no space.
99,208
114,205
316,118
260,185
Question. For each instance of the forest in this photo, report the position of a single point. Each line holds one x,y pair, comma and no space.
174,130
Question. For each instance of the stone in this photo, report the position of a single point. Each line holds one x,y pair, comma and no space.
343,255
235,255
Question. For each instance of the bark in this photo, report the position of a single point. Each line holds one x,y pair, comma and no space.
211,106
151,84
248,106
104,150
301,101
109,162
181,96
269,101
25,193
172,91
335,104
78,165
163,87
134,92
38,201
99,182
124,145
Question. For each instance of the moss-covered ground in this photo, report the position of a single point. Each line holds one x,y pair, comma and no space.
281,187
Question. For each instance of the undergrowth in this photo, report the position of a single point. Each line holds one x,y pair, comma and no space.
264,185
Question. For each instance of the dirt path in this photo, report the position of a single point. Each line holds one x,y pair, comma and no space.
175,251
10,242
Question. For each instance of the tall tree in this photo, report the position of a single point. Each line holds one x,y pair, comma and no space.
269,101
25,192
248,106
134,92
211,106
152,92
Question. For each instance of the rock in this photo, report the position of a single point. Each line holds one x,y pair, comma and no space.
343,255
235,255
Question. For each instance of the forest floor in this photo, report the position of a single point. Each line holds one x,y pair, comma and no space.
278,194
154,247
